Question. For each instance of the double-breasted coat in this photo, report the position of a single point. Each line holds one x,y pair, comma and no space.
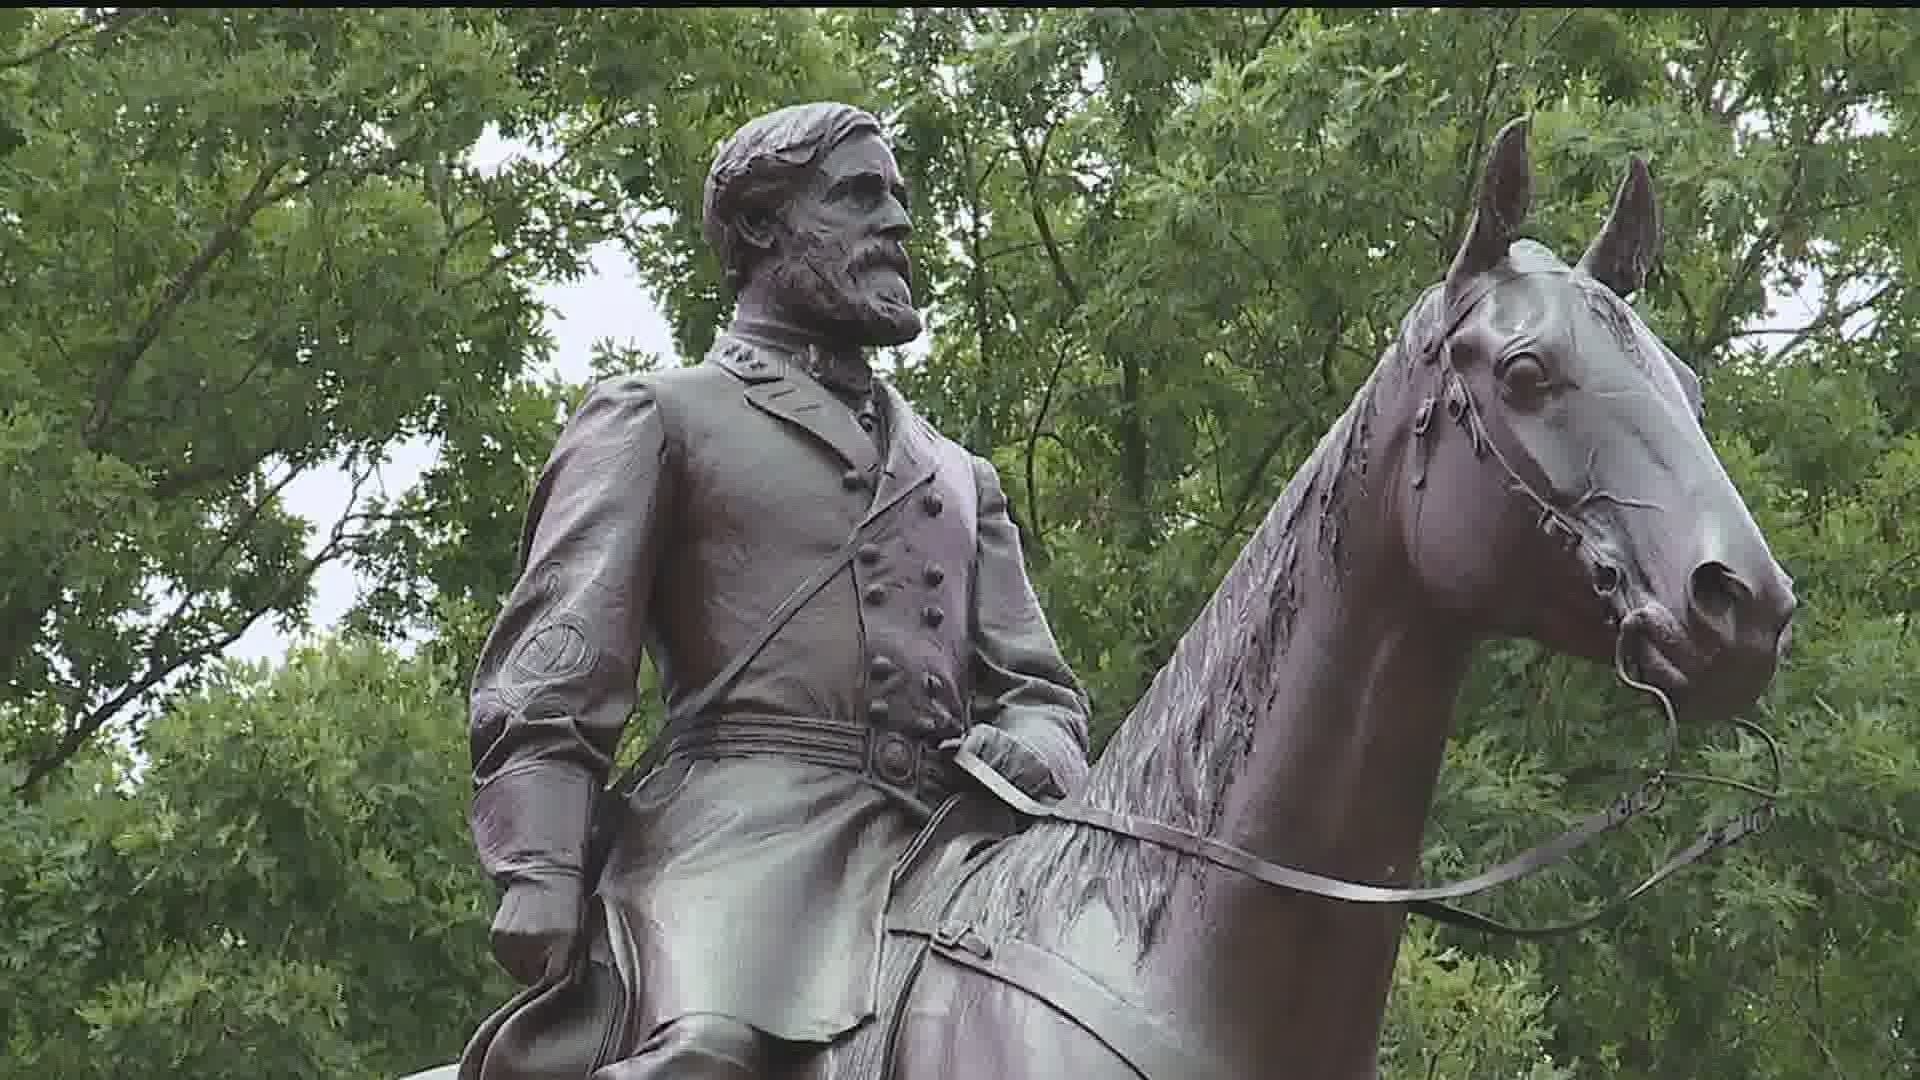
677,511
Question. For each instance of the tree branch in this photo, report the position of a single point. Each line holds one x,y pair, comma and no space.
493,266
1274,22
1702,89
1483,110
1900,844
1825,111
339,542
1033,443
1719,331
1832,319
103,30
977,285
259,196
1015,249
1806,1021
234,534
177,291
544,173
1033,163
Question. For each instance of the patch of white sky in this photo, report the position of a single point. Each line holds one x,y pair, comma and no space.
606,303
1791,310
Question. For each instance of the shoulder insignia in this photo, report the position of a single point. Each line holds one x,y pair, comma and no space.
746,362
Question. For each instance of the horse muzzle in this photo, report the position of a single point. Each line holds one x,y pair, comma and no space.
1719,655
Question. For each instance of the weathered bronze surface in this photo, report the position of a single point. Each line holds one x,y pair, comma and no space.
1526,461
748,875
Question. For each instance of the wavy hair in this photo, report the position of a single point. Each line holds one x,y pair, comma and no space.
759,167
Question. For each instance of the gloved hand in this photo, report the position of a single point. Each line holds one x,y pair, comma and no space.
535,928
1010,758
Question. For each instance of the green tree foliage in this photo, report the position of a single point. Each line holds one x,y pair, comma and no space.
237,248
1163,247
283,887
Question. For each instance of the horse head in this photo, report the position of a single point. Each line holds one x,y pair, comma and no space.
1562,444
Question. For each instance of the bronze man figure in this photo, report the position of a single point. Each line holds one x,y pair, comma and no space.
737,918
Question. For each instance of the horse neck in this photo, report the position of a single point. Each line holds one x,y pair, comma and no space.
1305,714
1350,698
1338,780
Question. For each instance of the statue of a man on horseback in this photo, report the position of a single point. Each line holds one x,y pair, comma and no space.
835,599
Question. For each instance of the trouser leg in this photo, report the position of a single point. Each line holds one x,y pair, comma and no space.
701,1046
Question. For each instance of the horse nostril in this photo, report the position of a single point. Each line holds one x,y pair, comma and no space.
1714,590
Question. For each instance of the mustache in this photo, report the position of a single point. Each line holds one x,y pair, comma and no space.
881,255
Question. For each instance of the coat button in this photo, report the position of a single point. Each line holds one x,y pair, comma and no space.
853,479
876,595
932,504
877,711
882,667
935,575
893,759
933,616
868,554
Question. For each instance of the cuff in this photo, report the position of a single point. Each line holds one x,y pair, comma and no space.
1051,738
530,822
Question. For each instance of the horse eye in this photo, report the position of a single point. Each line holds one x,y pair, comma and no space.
1522,376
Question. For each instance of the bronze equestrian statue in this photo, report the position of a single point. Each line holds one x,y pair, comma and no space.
737,917
1223,896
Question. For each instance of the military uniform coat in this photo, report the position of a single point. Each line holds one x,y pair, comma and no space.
678,510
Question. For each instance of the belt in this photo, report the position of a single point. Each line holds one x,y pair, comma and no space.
893,760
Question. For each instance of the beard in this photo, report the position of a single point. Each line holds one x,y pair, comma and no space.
863,295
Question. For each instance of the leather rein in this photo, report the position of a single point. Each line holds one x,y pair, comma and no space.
1432,901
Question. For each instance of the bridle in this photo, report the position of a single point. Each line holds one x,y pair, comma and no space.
1434,901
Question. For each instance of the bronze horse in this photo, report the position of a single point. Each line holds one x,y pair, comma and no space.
1527,461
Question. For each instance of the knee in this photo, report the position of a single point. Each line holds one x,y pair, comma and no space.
698,1045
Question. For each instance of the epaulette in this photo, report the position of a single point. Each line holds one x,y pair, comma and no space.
747,361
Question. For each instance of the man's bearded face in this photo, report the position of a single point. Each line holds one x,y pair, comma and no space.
841,264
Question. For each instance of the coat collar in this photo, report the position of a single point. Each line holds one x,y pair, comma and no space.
778,386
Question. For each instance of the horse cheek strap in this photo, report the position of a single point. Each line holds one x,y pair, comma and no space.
1422,449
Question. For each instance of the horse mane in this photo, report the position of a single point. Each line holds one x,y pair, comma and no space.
1182,744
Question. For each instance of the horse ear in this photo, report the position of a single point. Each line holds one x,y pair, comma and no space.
1506,193
1630,240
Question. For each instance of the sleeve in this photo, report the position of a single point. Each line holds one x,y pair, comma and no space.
556,677
1021,683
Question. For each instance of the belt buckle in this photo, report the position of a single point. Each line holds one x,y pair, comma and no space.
894,759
